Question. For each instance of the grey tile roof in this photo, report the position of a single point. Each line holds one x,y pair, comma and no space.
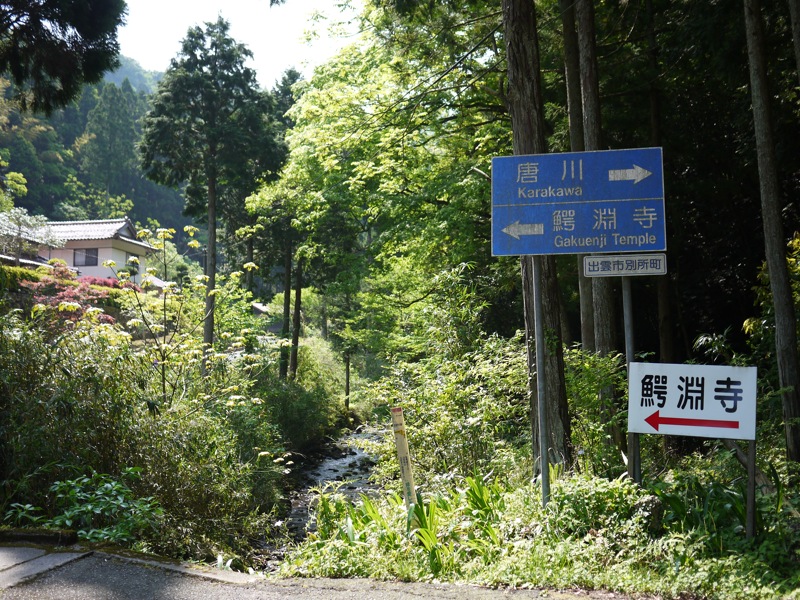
92,230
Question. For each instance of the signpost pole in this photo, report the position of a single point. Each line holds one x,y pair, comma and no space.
538,317
600,202
750,526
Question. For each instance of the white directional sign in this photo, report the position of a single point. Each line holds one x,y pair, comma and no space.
625,265
578,202
695,400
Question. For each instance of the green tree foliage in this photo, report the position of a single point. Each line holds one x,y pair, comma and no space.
761,330
208,119
141,80
207,448
21,233
378,175
397,156
84,397
268,237
88,202
36,151
12,184
109,152
51,47
67,171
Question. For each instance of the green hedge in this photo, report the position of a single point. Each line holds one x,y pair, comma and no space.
11,276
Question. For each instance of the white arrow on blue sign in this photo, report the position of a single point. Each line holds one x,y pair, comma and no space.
607,201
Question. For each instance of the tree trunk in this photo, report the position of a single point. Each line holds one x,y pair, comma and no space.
249,273
323,326
572,75
18,248
287,310
526,109
560,430
774,242
296,320
590,83
794,11
666,323
605,337
602,288
211,269
347,380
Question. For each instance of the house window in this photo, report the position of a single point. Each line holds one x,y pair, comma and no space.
85,257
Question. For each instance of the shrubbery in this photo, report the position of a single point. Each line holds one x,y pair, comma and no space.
10,277
86,398
62,293
595,533
100,507
98,403
208,445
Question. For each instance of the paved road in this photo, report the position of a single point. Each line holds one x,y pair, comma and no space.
36,574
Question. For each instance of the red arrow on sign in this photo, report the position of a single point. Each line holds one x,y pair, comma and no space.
656,420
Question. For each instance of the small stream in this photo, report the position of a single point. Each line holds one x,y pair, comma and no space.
344,467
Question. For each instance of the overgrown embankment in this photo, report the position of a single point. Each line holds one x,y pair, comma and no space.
132,442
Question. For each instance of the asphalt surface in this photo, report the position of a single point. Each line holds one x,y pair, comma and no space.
39,573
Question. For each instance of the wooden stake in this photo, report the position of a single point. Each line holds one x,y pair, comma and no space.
403,457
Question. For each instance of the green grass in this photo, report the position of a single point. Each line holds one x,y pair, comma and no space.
594,534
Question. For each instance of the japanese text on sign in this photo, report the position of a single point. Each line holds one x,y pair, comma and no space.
625,265
579,202
696,400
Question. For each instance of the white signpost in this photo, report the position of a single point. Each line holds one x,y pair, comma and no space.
695,400
403,456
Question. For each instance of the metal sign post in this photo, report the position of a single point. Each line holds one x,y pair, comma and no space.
577,203
627,265
634,453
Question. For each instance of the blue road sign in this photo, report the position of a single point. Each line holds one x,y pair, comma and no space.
607,201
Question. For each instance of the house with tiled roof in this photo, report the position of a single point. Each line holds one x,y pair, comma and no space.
89,244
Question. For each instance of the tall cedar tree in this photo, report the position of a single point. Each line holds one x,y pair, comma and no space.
774,240
527,119
207,114
51,47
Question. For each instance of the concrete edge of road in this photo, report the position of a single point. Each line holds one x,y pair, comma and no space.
24,560
205,572
30,567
